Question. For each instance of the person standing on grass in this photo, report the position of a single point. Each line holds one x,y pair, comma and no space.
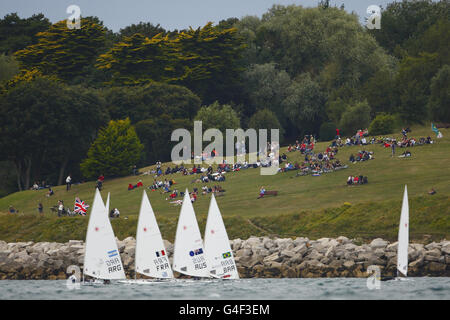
68,182
393,146
60,208
40,208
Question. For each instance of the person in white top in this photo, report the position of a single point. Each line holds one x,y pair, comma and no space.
68,182
60,208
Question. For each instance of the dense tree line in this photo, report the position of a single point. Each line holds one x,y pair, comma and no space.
303,70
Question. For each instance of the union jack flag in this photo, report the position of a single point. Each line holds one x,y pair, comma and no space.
80,207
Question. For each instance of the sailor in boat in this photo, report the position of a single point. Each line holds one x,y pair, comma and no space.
73,278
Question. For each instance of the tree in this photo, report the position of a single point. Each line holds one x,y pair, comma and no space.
357,116
8,66
427,54
209,59
151,101
403,22
305,104
381,92
139,60
265,88
65,52
17,33
266,119
116,149
439,101
331,43
146,29
218,116
413,83
155,135
43,128
335,108
204,60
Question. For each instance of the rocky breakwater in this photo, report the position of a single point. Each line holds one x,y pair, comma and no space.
341,257
255,257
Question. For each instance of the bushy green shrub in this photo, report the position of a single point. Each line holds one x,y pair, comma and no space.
382,124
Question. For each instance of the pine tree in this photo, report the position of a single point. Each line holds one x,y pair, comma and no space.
116,149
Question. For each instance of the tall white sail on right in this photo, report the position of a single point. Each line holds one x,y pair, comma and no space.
219,255
188,255
403,237
151,255
102,258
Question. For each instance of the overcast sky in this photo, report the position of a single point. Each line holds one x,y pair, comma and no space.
170,14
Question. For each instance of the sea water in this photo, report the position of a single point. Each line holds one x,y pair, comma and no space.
243,289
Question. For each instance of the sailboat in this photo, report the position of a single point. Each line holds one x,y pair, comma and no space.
151,256
102,259
219,256
189,255
403,242
403,239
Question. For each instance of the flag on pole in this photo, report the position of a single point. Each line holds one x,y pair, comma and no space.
435,130
80,207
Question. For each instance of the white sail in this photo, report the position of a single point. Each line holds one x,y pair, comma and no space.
219,256
403,237
102,258
151,255
188,256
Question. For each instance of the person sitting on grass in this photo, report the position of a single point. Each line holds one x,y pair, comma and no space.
50,192
115,213
261,192
349,180
12,210
431,192
352,158
405,154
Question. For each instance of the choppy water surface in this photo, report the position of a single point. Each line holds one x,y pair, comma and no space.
244,289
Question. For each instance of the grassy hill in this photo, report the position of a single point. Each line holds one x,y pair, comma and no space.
322,206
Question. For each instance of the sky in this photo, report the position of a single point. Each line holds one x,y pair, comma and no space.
170,14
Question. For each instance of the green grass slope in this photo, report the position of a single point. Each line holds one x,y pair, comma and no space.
310,206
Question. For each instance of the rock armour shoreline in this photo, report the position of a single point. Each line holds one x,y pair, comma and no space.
256,257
